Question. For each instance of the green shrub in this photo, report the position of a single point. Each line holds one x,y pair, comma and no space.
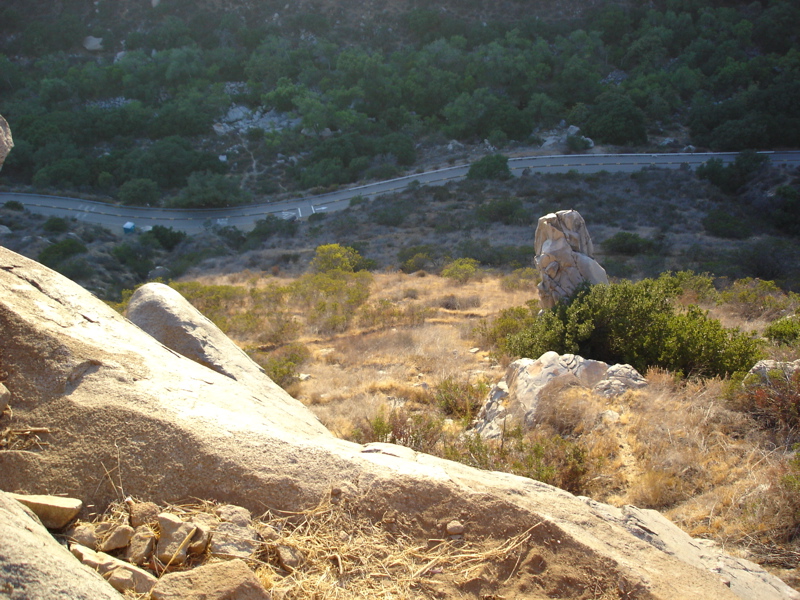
14,205
458,399
331,298
267,227
494,166
334,257
56,253
461,270
139,192
136,256
167,237
509,212
55,225
421,431
638,324
282,364
525,278
784,331
753,298
721,223
628,244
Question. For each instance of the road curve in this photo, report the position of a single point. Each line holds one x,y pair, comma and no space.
114,216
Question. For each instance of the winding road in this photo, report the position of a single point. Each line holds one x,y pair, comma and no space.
192,221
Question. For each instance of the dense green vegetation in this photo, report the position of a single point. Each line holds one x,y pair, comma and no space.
367,97
633,323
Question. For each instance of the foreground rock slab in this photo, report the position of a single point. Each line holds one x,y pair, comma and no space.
177,429
230,580
34,565
54,512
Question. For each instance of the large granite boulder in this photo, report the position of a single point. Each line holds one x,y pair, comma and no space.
167,316
127,413
564,257
34,565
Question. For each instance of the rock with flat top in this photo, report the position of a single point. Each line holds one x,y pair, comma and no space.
119,536
53,511
174,538
33,565
173,428
142,513
141,546
121,575
83,534
564,257
229,540
230,580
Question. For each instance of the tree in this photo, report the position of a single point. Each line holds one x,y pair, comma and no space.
210,190
140,192
615,119
494,166
334,257
461,270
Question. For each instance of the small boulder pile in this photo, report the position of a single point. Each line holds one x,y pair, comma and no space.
175,553
518,395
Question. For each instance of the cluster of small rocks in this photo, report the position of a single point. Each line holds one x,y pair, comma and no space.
169,553
241,119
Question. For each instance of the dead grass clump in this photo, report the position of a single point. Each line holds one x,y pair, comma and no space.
569,411
453,302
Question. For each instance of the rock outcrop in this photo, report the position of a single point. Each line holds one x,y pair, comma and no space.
527,381
6,142
564,257
168,317
126,412
34,565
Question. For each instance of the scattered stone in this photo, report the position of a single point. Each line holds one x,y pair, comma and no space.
230,540
4,230
35,566
174,539
121,575
564,257
53,511
118,537
140,550
763,368
289,558
159,273
5,397
229,580
474,350
618,380
205,525
234,514
455,528
142,513
609,417
304,376
83,534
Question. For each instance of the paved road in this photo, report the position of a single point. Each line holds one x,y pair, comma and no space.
244,217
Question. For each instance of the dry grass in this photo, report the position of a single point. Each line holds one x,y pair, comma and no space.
677,446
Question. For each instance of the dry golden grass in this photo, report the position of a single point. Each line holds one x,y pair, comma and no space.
676,446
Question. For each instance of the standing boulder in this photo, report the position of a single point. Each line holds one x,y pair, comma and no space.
564,257
6,143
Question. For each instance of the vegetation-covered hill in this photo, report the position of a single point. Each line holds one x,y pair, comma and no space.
358,95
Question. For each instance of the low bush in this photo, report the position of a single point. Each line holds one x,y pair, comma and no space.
509,212
459,399
753,298
167,237
461,270
784,331
453,302
638,324
494,166
56,253
628,244
14,205
422,432
773,399
526,278
722,224
55,225
282,364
